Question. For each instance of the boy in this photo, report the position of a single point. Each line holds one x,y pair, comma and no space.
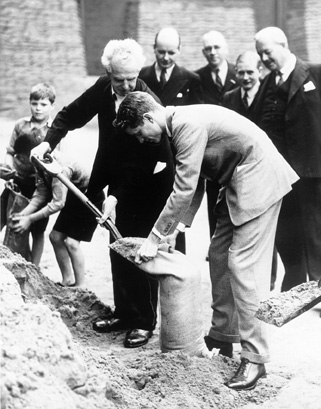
28,133
74,224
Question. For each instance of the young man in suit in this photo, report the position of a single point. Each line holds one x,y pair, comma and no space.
219,144
248,72
174,85
288,109
217,77
131,175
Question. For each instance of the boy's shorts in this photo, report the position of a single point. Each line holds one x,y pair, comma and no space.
39,226
76,220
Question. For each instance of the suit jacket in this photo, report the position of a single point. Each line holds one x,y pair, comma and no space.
233,100
221,145
302,136
182,88
211,94
108,167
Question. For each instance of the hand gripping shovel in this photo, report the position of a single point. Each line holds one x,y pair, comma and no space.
180,281
52,167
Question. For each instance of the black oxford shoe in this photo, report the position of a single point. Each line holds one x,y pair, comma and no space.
225,348
246,376
137,337
114,324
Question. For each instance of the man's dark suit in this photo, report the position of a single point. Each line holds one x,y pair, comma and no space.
127,168
213,95
233,100
182,88
298,236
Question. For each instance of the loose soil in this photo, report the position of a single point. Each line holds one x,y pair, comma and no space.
51,358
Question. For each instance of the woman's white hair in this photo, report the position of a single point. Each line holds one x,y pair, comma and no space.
125,49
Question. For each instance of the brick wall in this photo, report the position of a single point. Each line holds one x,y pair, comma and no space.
40,41
235,19
303,29
238,20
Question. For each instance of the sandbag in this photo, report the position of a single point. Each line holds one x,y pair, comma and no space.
17,243
180,296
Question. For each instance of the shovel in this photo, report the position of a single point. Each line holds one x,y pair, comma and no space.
52,167
284,307
180,285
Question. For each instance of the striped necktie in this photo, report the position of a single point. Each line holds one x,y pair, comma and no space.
218,80
245,100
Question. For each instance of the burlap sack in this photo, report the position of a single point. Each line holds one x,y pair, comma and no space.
17,243
180,297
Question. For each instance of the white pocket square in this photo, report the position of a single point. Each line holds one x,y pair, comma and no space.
180,95
159,167
309,86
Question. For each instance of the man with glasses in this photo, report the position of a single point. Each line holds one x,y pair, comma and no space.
217,77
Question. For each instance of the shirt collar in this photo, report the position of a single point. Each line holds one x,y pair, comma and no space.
48,123
288,67
118,100
251,92
158,70
168,123
223,69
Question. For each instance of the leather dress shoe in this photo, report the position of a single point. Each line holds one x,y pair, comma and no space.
137,337
114,324
225,348
246,376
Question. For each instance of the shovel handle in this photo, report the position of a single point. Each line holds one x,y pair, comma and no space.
51,166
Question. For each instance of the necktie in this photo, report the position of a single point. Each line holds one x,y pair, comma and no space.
280,78
218,80
113,104
163,78
245,101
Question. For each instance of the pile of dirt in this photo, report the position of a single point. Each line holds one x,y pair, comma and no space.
51,358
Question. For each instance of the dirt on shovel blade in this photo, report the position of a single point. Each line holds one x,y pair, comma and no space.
286,306
127,247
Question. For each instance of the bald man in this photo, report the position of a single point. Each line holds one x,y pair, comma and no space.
174,85
217,77
289,107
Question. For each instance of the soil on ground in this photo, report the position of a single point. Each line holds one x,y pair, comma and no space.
52,359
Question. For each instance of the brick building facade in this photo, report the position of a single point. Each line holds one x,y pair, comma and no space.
61,41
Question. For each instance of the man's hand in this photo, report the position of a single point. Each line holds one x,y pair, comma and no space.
40,150
108,209
20,223
148,250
